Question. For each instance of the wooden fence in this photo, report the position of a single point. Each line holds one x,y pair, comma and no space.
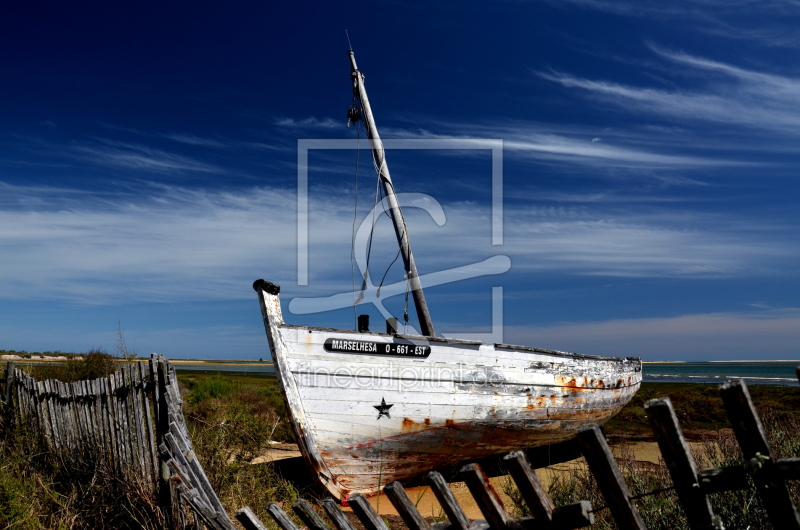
116,415
132,422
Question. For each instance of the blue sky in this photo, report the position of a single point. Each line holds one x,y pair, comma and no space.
148,170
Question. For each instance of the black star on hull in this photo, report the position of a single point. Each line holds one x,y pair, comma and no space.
383,409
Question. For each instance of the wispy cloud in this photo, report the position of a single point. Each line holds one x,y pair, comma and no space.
191,139
309,123
770,23
734,95
181,244
693,337
139,157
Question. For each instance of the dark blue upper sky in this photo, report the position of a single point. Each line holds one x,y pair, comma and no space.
148,170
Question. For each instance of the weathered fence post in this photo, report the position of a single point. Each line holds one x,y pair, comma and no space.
307,514
758,456
458,519
485,496
605,470
530,487
335,515
399,498
680,463
162,428
365,512
249,520
9,383
280,517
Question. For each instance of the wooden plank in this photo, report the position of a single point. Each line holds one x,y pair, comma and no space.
9,383
53,407
127,413
530,488
174,452
122,446
605,470
399,499
248,519
280,517
35,390
149,427
83,405
135,407
154,387
576,515
718,479
753,441
788,468
681,465
458,519
365,512
88,402
306,513
191,458
165,500
485,496
336,515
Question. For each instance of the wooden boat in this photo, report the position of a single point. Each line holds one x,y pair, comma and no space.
369,408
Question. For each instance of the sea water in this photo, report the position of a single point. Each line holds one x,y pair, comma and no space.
754,373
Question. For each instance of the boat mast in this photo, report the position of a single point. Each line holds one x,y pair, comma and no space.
378,154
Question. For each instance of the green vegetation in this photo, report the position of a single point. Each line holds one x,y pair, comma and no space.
38,490
92,365
234,419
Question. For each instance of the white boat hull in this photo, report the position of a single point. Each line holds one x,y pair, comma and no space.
370,408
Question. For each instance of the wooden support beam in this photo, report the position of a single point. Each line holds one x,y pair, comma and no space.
336,515
485,496
605,470
576,515
280,517
681,465
402,503
717,479
458,519
248,519
753,441
365,512
531,488
306,513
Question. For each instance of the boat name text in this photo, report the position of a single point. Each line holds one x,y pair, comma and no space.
376,348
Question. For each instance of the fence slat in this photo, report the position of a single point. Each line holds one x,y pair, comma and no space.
605,470
681,465
718,479
249,520
336,515
753,440
365,512
485,496
9,383
402,503
280,517
306,513
458,519
530,487
151,446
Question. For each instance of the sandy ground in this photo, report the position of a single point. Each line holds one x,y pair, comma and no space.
33,358
429,507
